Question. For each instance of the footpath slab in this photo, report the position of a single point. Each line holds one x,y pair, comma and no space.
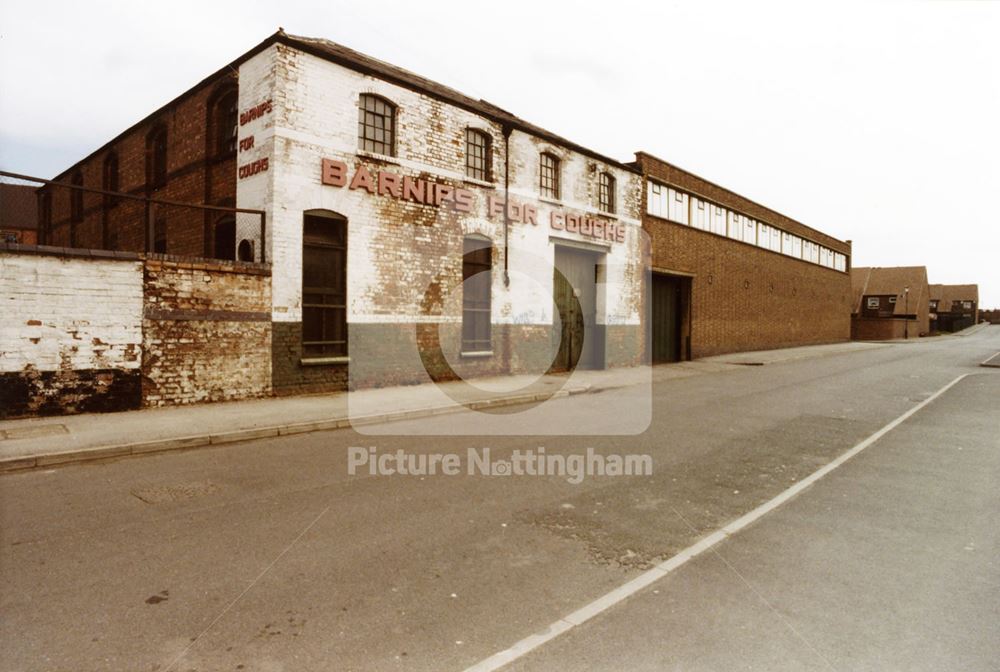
764,357
43,442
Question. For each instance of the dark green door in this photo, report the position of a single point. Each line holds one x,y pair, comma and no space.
666,319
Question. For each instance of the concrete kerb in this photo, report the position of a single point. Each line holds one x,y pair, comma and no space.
102,453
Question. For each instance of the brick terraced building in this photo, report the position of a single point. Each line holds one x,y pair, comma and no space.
731,275
953,307
890,303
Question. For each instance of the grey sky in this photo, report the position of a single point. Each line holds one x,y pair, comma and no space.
875,122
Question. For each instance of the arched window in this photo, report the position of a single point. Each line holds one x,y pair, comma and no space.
478,162
548,175
606,193
109,181
76,198
376,125
225,238
223,122
156,157
477,290
324,284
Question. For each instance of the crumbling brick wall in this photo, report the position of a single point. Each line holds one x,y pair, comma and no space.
95,331
72,333
206,331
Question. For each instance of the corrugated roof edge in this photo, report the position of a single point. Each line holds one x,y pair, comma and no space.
759,205
368,65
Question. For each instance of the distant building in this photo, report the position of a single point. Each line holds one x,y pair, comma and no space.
953,307
18,214
890,303
992,316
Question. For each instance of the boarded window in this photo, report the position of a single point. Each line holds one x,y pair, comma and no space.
110,179
324,284
76,198
225,123
156,157
477,285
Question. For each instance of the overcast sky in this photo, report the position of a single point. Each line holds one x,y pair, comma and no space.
876,122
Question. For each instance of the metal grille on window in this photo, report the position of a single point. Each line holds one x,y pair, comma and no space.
606,194
324,286
548,177
477,155
476,295
376,125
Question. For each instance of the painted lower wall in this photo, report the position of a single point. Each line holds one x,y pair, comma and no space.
93,331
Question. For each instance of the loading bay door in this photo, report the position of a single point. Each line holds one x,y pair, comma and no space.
666,331
574,291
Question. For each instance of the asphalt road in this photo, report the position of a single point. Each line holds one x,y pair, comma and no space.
270,556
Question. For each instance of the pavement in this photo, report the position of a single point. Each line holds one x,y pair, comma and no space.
44,442
271,555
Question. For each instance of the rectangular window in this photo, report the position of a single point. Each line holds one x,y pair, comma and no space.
548,176
477,285
324,285
606,193
678,207
718,220
656,199
160,236
735,226
873,303
477,155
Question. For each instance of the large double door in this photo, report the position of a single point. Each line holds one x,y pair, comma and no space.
574,291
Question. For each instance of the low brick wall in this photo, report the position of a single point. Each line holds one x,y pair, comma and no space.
96,331
71,336
206,331
882,328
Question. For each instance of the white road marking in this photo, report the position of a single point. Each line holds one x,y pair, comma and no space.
601,604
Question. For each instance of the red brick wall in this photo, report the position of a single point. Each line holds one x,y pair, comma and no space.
744,297
883,328
193,176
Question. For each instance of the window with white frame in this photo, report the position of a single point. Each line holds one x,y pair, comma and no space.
763,235
735,226
699,214
656,199
678,206
718,220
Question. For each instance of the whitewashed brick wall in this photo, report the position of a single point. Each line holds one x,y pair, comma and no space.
315,116
69,313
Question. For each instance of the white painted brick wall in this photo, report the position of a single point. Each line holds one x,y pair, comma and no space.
315,116
90,313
